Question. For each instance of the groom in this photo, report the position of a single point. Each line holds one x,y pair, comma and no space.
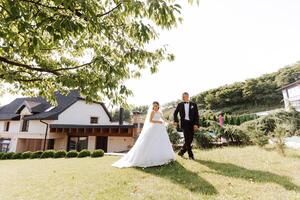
189,121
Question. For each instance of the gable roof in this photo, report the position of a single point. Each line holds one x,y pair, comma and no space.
42,109
11,111
291,85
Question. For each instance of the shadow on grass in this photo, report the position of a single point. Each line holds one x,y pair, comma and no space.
231,170
176,173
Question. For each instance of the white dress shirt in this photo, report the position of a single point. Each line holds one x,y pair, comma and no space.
187,111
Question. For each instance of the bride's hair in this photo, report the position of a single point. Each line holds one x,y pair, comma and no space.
155,102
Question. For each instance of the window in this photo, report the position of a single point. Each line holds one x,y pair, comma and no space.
25,126
4,145
94,120
6,126
77,143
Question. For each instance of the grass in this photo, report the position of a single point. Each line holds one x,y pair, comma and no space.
223,173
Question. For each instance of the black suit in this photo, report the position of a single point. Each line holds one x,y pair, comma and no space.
187,125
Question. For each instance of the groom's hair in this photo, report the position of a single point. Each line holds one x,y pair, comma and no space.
185,93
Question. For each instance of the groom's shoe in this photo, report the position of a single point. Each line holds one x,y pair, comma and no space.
191,158
180,154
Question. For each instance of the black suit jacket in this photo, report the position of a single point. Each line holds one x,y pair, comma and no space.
193,113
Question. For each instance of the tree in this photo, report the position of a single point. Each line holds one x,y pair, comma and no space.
91,45
126,115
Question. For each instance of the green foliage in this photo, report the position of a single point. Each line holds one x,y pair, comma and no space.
7,155
17,156
173,135
236,135
48,154
246,96
60,154
84,153
126,115
26,155
97,153
36,154
275,126
203,140
43,44
72,154
1,154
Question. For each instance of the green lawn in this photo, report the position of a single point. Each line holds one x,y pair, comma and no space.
224,173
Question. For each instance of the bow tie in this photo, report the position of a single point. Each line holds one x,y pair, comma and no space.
186,102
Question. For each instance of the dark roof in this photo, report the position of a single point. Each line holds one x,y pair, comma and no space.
90,126
11,111
291,85
40,108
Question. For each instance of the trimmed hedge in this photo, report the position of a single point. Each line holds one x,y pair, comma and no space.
72,154
48,154
60,154
1,154
97,153
17,156
84,153
26,155
36,154
8,155
51,154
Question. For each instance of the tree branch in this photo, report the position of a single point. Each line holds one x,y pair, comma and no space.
5,60
108,12
54,71
70,68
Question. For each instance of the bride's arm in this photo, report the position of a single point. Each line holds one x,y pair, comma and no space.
154,121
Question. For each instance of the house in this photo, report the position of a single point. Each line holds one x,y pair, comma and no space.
291,95
32,123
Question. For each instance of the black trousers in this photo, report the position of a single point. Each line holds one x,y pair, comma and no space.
188,132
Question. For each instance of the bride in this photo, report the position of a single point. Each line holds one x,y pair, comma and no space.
153,146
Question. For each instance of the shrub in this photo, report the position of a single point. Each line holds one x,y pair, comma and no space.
60,154
36,154
72,154
84,153
97,153
8,155
17,156
235,134
173,134
1,154
259,138
203,140
48,154
26,155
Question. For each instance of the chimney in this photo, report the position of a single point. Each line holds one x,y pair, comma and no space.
136,120
136,117
121,116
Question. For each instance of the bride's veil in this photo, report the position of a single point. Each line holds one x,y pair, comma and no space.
147,119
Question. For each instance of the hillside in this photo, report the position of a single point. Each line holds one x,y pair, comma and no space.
252,95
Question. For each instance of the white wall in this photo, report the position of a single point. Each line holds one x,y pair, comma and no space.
80,113
294,93
2,126
25,111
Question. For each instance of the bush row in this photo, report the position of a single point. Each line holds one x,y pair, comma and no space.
51,154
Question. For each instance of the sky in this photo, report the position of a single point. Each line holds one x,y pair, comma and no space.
220,42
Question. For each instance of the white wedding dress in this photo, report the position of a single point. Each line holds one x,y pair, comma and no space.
152,148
